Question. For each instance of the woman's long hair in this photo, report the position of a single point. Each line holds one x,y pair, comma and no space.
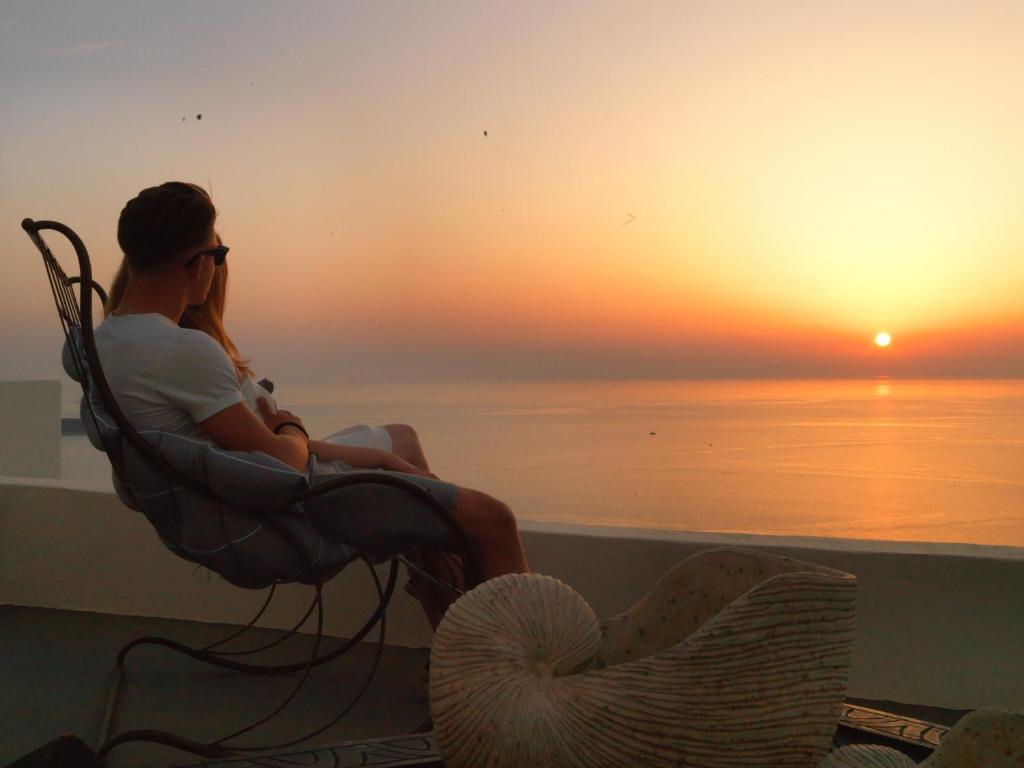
207,317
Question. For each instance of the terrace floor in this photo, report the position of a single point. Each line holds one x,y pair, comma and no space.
56,668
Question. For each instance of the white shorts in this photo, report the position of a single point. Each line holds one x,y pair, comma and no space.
362,436
367,436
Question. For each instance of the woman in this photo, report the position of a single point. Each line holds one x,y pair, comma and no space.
168,297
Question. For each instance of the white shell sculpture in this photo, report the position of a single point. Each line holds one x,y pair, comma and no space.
735,658
986,738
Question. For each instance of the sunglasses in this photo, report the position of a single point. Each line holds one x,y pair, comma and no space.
220,253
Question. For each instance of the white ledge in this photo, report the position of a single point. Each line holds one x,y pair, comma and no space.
937,624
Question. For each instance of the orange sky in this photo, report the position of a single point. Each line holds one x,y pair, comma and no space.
664,189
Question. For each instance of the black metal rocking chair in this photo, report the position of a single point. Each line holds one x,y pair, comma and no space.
124,445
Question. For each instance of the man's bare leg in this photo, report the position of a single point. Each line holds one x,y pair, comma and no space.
489,524
493,533
494,540
433,598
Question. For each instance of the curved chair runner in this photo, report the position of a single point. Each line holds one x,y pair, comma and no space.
735,658
246,516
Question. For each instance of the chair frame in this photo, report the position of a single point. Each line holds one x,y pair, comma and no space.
79,315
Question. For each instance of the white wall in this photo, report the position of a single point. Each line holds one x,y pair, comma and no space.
30,428
937,624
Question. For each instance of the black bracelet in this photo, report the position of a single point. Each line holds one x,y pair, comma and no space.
283,424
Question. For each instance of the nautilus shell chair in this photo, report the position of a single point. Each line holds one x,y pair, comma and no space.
734,659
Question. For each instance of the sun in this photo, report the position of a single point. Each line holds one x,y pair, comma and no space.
882,339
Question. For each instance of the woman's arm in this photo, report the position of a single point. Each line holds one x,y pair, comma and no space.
365,458
239,429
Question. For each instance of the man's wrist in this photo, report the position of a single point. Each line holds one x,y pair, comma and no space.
294,428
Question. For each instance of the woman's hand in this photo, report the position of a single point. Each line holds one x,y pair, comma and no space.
275,419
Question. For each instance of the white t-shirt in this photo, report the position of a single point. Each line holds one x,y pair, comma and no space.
165,377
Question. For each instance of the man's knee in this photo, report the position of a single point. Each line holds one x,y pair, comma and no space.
489,517
502,517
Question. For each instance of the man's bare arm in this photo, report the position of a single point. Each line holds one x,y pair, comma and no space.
239,429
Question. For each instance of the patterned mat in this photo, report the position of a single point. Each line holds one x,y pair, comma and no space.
857,725
392,752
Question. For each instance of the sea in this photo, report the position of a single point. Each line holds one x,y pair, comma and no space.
891,459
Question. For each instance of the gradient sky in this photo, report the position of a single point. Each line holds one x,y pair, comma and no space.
664,189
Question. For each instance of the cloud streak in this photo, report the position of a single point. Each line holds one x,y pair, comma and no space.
69,51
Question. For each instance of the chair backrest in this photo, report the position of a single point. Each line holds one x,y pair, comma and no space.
77,322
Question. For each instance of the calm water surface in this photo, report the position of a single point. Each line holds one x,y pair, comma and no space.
901,460
936,461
